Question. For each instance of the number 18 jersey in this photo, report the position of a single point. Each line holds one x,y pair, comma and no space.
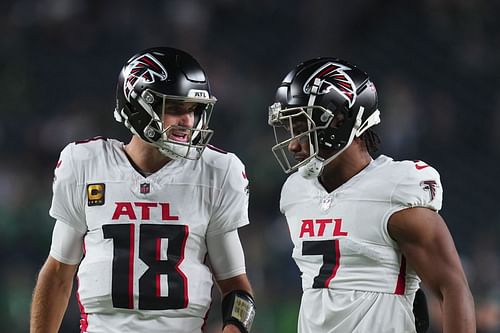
144,237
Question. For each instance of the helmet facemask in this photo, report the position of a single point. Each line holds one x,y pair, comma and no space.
174,141
328,134
297,123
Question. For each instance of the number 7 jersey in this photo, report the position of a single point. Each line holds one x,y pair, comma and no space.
341,239
144,237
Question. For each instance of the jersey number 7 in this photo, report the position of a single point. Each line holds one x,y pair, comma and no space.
150,288
331,255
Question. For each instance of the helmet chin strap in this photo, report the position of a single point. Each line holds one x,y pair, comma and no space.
312,169
168,153
315,166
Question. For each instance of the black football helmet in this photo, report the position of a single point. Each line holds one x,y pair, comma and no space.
326,101
153,81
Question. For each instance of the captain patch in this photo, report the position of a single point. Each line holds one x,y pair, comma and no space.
95,194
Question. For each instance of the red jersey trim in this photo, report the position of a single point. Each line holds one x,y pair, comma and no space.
401,284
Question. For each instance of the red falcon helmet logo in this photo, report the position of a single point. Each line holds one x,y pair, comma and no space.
146,68
333,76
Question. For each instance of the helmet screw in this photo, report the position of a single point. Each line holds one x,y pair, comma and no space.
148,97
150,133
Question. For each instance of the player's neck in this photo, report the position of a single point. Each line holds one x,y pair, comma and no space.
145,158
348,164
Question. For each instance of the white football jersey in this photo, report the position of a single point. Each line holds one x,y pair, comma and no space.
144,243
341,245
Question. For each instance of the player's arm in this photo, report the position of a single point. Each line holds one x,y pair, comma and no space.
55,280
51,296
228,265
425,241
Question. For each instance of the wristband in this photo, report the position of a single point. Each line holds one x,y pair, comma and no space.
238,308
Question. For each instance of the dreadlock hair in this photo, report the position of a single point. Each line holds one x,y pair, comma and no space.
371,140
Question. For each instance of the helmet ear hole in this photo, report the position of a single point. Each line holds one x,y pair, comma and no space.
340,118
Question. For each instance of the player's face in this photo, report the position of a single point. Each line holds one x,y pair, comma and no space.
180,116
299,147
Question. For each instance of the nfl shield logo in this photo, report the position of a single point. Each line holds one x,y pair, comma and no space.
145,188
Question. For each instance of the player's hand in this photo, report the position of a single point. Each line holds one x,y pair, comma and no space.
231,329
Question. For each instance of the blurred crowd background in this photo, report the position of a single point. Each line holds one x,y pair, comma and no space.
436,65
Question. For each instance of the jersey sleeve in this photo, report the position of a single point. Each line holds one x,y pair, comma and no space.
68,192
420,187
231,207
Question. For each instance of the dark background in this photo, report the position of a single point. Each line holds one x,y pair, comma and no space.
435,64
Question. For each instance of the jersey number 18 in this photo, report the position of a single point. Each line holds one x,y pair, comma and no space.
150,240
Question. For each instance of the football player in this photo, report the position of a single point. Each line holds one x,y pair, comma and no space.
365,231
137,221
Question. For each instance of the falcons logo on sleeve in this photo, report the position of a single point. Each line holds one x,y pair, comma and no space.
430,187
333,76
145,68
